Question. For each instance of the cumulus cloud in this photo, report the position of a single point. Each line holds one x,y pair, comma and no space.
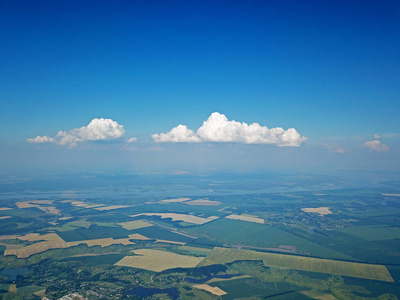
217,128
178,134
376,145
132,140
96,130
335,149
40,139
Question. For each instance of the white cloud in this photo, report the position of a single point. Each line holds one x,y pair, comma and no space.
375,145
217,128
335,149
178,134
376,137
132,140
40,139
96,130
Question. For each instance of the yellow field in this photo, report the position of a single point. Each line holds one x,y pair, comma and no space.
53,241
82,204
179,217
137,236
391,195
5,217
359,270
246,218
111,207
213,290
5,208
170,242
42,201
318,210
8,237
203,202
135,224
50,209
174,200
12,288
26,204
41,293
156,260
102,242
33,237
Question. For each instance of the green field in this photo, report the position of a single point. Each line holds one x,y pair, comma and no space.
372,233
93,232
253,287
359,270
100,259
235,232
155,232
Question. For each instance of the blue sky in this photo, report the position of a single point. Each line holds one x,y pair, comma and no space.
329,69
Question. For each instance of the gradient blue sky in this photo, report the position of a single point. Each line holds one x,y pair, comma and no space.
330,69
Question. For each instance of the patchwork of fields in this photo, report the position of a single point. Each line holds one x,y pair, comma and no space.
287,246
359,270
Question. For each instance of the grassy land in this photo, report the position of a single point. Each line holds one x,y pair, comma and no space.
372,233
359,270
233,232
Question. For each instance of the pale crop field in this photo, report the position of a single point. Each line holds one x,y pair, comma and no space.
50,237
25,204
53,241
111,207
5,217
246,218
170,242
344,268
177,200
5,208
42,201
131,225
50,209
317,210
180,217
102,242
137,236
203,202
29,250
82,204
213,290
156,260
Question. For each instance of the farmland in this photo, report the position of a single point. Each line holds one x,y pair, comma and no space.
359,270
179,217
320,244
158,261
246,218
